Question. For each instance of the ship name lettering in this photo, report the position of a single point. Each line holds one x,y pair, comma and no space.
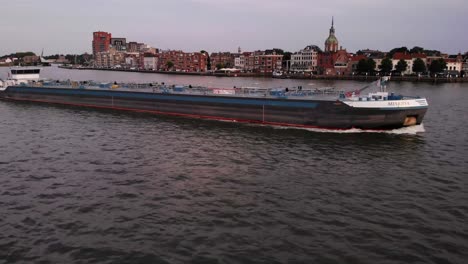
398,103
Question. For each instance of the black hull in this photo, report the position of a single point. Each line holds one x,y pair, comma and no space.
294,113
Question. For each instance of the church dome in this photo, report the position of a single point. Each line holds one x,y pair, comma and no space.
331,40
331,44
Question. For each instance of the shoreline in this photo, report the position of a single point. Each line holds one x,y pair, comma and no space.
290,76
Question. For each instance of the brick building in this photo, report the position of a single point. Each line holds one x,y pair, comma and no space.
223,59
267,63
101,42
182,61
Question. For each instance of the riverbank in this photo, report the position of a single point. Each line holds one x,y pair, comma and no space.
287,76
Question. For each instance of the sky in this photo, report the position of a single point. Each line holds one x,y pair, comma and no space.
66,26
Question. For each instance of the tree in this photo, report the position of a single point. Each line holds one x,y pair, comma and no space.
219,66
366,65
395,50
386,66
416,49
169,64
419,66
432,52
371,65
362,66
286,58
437,66
401,66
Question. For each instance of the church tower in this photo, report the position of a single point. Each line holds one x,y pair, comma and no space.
331,44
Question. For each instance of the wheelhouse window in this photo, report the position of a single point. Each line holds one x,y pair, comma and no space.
28,71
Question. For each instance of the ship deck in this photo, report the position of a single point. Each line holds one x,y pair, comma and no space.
293,93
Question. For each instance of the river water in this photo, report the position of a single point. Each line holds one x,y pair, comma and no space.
88,186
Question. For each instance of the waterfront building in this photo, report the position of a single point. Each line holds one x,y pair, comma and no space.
182,61
6,61
406,57
268,63
340,62
334,60
334,63
375,55
409,58
103,60
150,61
353,62
101,42
62,59
223,59
305,59
454,64
120,44
109,59
29,60
133,46
241,61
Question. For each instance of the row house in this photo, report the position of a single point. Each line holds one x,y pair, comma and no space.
182,61
268,63
305,59
224,59
241,59
261,62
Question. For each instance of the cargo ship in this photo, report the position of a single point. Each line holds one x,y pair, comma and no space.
290,107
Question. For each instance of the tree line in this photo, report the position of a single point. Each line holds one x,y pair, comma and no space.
386,66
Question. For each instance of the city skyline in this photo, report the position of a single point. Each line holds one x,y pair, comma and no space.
224,25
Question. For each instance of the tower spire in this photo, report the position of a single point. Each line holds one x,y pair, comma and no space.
332,29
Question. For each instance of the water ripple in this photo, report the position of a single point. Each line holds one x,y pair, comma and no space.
83,186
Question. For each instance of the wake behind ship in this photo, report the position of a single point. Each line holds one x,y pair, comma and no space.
291,107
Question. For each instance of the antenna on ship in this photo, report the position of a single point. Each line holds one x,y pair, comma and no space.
381,83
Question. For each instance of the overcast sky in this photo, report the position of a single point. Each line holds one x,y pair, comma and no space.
66,26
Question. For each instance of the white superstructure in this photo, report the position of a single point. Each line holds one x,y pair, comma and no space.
20,75
25,74
384,100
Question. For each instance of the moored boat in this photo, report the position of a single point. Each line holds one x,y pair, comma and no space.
292,107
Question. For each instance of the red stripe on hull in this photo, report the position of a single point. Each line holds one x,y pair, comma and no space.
219,118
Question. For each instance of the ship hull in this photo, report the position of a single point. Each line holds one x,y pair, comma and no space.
267,111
